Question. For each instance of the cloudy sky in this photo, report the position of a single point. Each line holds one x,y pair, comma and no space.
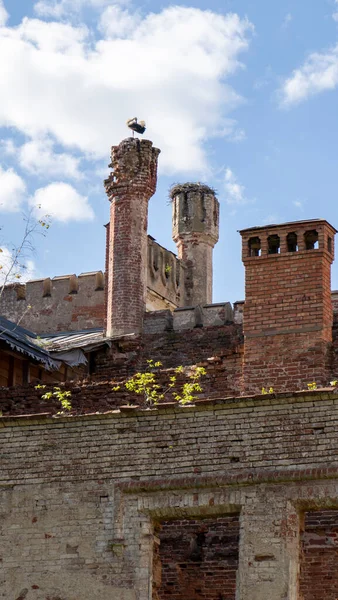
239,94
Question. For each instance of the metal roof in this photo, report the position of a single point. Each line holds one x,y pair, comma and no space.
26,342
68,340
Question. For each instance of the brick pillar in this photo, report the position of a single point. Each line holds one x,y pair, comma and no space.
288,311
195,228
129,188
269,550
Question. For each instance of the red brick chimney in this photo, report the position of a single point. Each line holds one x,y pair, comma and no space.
129,188
287,312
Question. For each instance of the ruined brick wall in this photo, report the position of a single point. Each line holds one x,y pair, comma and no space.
197,559
218,349
80,497
319,556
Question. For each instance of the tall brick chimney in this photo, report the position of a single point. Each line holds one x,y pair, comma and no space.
129,188
287,311
195,226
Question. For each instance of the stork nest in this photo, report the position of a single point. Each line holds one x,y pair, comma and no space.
178,188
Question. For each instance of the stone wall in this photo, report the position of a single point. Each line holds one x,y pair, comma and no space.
80,497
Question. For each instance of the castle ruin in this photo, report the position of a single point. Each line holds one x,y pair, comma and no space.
231,497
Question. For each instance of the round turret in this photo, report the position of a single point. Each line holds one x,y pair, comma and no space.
195,227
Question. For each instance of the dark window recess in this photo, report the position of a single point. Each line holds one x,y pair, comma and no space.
25,372
329,244
254,246
91,363
291,240
311,240
273,244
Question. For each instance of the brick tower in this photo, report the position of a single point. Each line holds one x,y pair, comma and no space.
287,312
129,188
195,227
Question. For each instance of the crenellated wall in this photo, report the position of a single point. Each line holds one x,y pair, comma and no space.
66,303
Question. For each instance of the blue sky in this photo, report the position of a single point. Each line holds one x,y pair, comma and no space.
241,95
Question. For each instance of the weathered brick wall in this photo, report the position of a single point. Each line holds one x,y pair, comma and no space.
288,307
214,348
79,496
66,303
129,188
197,559
319,556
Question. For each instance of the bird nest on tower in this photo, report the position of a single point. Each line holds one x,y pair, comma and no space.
179,188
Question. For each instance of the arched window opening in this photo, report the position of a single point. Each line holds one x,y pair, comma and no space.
329,244
311,240
273,244
291,240
255,246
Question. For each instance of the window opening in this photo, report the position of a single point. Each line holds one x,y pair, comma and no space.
329,244
291,240
273,244
255,246
196,559
311,240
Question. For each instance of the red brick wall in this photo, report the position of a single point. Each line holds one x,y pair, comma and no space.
288,310
319,556
197,559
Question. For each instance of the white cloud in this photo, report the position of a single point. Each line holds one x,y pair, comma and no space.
12,190
235,191
13,270
62,202
298,204
3,14
229,128
319,73
171,70
287,20
38,157
8,147
60,8
117,23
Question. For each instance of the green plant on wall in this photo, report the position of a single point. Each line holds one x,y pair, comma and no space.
63,396
147,385
267,391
